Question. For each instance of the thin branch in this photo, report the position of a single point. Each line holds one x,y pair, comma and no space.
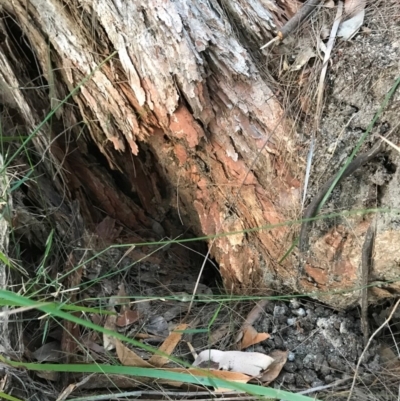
367,346
294,23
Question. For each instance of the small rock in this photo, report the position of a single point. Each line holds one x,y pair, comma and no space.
308,361
299,312
318,361
289,378
317,383
299,364
374,366
278,342
309,375
336,362
300,382
280,310
290,367
325,369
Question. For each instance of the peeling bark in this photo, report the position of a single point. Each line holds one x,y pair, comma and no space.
185,115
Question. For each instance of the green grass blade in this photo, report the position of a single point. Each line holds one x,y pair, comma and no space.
54,310
208,380
361,141
8,397
5,260
21,181
53,111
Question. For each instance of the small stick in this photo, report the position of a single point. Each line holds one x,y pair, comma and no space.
366,262
367,346
294,23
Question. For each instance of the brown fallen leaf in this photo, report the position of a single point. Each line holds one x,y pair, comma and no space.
255,313
220,374
389,359
72,387
127,317
128,357
71,334
48,375
168,346
145,336
221,332
251,337
88,340
108,341
121,299
252,317
106,230
96,318
280,358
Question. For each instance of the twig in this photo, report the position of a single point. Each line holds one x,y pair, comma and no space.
329,47
367,346
366,261
308,169
325,387
293,24
321,86
119,396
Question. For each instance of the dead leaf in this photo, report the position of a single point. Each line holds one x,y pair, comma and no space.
145,336
88,340
4,381
220,374
280,358
106,230
251,337
249,363
71,333
168,346
48,375
255,313
353,7
305,104
72,387
158,326
389,359
355,12
108,341
219,333
302,58
252,317
121,299
329,4
96,318
127,317
50,352
128,357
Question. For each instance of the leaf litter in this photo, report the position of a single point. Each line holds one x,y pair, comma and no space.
298,345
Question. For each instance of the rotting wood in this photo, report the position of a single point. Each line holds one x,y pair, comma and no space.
203,114
178,119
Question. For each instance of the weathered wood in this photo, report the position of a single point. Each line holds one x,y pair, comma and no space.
185,116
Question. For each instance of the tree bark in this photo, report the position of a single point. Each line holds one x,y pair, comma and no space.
185,120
